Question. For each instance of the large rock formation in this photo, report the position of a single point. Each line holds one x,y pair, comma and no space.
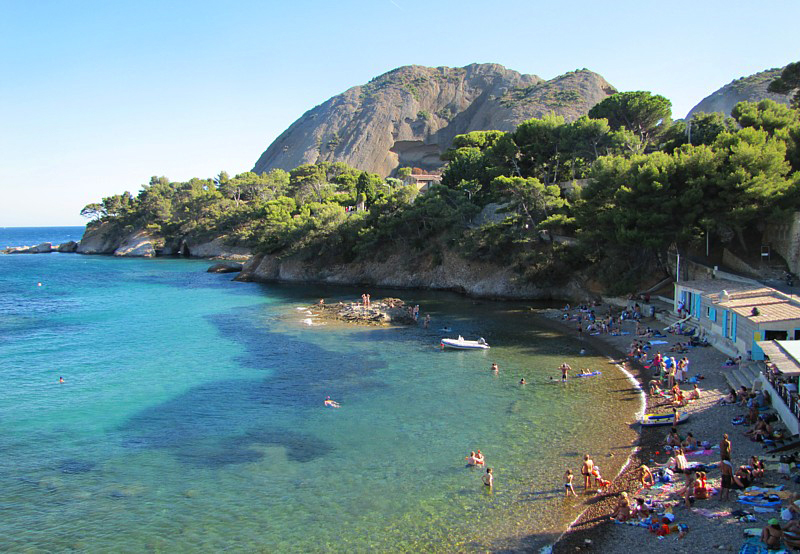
408,116
107,238
451,272
138,244
102,238
749,89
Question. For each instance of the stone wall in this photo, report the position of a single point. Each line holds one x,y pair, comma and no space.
784,239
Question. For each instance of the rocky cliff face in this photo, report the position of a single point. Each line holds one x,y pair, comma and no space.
109,239
408,116
450,273
746,89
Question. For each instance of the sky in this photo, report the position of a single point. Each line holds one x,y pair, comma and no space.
96,97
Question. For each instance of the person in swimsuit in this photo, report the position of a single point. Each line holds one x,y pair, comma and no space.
700,488
60,379
726,468
564,369
586,471
479,459
522,381
725,449
495,368
488,478
568,484
471,460
646,476
331,403
772,534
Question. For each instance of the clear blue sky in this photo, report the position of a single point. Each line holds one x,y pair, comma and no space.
98,96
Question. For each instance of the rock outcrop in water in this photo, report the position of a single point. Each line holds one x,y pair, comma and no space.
750,89
107,238
409,116
43,248
389,311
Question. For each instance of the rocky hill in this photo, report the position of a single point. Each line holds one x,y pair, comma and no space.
750,89
408,116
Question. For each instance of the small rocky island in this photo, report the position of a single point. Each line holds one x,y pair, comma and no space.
388,311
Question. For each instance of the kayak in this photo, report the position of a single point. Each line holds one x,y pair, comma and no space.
650,420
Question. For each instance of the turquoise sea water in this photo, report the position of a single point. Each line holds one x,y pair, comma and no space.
191,417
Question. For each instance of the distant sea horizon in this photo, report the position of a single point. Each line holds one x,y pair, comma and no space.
36,234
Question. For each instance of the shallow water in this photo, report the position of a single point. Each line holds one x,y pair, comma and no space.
191,417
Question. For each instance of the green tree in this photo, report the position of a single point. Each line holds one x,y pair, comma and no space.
788,82
644,114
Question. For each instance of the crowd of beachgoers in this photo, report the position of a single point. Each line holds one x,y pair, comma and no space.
707,483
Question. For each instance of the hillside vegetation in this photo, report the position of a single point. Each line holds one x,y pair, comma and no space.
623,182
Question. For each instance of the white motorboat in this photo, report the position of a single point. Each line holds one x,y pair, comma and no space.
463,344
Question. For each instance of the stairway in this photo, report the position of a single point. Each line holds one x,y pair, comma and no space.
745,375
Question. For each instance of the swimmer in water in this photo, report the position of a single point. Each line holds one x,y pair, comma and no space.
488,478
471,460
60,379
522,381
479,460
495,368
331,403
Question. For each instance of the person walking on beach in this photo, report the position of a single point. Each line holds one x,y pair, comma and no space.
586,471
568,484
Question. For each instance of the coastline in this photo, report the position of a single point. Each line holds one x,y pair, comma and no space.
586,525
593,531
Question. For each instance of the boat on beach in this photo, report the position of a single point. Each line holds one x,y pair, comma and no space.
463,344
651,420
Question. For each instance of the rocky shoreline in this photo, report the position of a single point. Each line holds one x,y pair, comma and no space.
43,248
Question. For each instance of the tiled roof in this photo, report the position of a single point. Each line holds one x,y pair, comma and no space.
770,312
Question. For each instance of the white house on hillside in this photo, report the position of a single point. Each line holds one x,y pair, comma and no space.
736,316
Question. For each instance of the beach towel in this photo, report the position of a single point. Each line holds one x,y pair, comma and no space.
654,342
700,453
755,546
762,504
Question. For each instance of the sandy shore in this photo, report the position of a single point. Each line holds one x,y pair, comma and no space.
593,531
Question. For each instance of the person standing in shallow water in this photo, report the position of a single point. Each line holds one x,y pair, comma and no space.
586,471
568,484
488,478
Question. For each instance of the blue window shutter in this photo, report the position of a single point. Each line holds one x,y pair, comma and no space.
724,323
712,314
733,326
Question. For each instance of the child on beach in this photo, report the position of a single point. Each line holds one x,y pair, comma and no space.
646,476
568,484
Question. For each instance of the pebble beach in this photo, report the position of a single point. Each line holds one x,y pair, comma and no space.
711,524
